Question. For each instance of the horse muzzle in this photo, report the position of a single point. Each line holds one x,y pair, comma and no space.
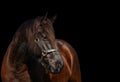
54,60
56,67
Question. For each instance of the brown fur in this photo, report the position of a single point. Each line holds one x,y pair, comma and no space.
66,50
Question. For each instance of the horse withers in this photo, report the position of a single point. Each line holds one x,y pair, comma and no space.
35,55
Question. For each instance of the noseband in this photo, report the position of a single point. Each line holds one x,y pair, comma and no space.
44,52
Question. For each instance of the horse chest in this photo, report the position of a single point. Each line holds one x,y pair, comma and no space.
37,73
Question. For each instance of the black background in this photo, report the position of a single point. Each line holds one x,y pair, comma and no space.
80,25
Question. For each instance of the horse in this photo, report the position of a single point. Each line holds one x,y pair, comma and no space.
36,55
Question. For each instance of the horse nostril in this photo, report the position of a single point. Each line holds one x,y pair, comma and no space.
59,65
51,69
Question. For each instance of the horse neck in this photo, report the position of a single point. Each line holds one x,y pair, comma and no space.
37,71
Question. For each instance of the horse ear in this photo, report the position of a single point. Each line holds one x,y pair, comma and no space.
36,21
45,17
53,18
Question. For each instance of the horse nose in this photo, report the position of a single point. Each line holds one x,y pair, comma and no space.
58,67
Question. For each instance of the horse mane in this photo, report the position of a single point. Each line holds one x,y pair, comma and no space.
23,35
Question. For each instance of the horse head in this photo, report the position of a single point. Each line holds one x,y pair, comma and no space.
42,43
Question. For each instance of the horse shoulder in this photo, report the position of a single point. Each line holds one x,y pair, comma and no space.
74,64
8,70
68,51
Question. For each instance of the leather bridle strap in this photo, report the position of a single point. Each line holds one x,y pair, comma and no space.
46,52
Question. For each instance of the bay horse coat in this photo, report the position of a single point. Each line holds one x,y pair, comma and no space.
35,55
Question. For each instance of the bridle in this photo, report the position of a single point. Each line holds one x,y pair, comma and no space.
44,52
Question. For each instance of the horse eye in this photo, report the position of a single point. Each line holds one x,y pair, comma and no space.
37,40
